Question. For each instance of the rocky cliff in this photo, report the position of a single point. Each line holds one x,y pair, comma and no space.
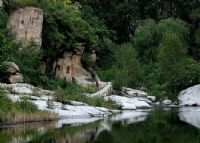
26,25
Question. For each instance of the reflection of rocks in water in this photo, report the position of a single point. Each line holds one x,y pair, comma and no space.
69,130
75,121
190,115
87,135
129,117
22,133
81,137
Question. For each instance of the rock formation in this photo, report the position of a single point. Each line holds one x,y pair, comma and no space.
26,25
190,96
69,66
1,3
12,73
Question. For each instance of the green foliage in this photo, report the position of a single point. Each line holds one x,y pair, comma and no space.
128,72
7,46
146,41
86,60
5,104
176,26
148,37
171,54
28,63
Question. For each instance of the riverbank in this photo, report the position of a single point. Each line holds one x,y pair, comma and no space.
22,103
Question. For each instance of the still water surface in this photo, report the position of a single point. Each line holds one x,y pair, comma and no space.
155,126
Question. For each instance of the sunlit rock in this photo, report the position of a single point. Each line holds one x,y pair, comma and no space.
152,98
128,103
190,96
26,24
166,102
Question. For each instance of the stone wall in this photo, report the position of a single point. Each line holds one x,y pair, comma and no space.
26,25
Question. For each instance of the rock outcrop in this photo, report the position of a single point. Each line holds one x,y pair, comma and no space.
70,67
26,25
12,73
1,3
190,96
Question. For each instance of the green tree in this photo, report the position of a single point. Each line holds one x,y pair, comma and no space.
146,41
128,72
171,55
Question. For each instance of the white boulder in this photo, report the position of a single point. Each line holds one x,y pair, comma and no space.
190,96
152,98
166,102
128,103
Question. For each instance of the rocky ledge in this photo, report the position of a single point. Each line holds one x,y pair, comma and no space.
131,100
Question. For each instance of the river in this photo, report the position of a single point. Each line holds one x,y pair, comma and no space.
145,126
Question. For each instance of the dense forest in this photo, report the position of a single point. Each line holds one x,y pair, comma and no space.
152,45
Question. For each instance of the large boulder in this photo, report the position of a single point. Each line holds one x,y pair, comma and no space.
12,68
17,78
26,23
190,96
12,73
166,102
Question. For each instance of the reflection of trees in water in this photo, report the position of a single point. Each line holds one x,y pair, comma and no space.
47,133
160,126
86,135
81,137
23,132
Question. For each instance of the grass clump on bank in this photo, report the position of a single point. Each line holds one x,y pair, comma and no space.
76,93
21,111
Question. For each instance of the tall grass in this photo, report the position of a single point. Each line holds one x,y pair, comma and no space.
76,93
21,111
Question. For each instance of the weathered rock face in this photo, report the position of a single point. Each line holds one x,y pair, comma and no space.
26,25
1,3
13,73
71,68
